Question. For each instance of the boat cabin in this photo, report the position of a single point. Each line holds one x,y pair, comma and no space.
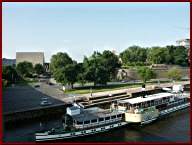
94,116
145,102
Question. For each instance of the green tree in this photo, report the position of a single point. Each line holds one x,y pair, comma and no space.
174,74
64,69
25,69
170,57
59,60
66,75
9,73
111,63
70,74
158,55
80,74
146,74
101,74
39,69
181,56
134,54
95,70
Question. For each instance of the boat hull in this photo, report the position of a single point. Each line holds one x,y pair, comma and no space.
167,111
46,137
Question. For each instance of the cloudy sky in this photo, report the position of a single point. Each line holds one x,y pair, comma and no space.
81,28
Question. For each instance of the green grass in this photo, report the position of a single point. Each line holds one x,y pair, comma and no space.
108,88
86,89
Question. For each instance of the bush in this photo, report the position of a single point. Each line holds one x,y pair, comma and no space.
174,74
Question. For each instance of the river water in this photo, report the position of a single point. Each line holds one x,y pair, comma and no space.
173,128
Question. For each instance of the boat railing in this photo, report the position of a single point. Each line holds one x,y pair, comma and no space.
97,123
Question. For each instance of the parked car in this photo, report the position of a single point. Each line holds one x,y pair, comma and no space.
45,103
36,86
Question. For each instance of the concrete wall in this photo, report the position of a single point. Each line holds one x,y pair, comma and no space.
33,57
131,74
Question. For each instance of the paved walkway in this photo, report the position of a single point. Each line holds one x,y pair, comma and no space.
132,90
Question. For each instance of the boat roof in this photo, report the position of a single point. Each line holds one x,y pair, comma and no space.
93,113
73,108
145,99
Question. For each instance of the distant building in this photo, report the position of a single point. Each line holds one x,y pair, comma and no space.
159,67
33,57
10,62
183,42
47,67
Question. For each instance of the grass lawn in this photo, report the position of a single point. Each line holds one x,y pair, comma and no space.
86,90
94,90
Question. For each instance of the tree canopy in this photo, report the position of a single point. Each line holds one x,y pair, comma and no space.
175,55
9,73
59,60
134,54
64,69
96,69
39,69
111,63
25,69
174,74
146,74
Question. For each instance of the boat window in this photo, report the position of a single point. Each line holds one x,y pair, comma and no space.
156,102
101,119
113,117
86,122
107,118
119,115
78,122
93,121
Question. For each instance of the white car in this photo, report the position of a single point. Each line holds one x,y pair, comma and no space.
45,103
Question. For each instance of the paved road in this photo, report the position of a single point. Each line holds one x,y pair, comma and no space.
56,92
20,98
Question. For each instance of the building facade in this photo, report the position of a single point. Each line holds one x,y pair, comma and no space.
33,57
8,62
184,42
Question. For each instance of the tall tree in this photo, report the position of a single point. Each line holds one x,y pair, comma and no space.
66,75
95,70
111,63
158,55
9,73
25,69
180,56
174,74
146,74
59,60
70,74
80,73
39,69
134,54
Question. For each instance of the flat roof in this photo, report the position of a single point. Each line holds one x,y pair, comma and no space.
146,98
93,113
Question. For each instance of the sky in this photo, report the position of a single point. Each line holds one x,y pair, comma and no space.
81,28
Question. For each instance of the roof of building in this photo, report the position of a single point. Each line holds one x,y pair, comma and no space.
146,98
93,113
73,108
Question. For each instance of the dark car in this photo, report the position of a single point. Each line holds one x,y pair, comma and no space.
36,86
